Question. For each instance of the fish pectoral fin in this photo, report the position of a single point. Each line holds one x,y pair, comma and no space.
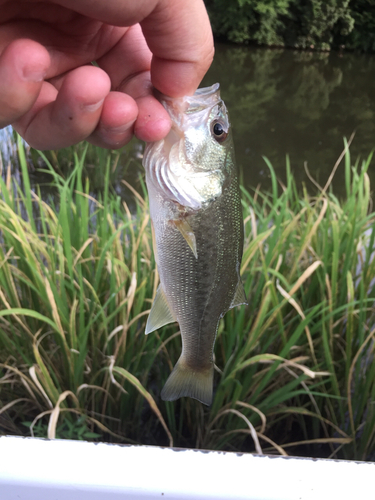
239,297
160,313
184,227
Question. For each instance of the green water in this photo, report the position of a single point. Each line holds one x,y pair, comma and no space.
297,103
280,102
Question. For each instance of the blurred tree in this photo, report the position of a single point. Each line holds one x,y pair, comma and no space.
241,21
313,23
292,23
362,37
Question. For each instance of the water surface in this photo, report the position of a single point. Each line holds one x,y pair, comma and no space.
297,103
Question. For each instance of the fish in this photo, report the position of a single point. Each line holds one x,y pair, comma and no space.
197,226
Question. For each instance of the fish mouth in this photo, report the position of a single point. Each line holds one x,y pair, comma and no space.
204,98
187,110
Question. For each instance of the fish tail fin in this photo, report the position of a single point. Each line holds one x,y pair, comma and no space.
185,381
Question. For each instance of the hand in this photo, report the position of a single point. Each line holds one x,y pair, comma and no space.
54,97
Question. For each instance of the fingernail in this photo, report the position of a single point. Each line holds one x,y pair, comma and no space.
33,73
93,107
119,130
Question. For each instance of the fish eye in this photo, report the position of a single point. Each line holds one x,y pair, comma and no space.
218,131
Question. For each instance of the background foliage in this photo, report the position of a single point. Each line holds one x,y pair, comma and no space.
320,24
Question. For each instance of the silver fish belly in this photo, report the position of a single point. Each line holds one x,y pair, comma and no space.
197,221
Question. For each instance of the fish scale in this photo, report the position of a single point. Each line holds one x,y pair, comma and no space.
198,243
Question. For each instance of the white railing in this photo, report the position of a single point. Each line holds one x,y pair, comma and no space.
37,469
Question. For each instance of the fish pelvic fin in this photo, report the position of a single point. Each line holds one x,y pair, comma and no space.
239,297
185,381
160,313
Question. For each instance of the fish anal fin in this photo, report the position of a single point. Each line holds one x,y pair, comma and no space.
239,297
188,234
184,381
160,313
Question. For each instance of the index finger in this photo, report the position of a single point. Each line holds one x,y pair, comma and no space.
180,38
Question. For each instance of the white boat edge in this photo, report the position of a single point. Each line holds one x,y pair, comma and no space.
41,469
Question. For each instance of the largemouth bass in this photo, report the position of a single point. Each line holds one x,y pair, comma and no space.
197,223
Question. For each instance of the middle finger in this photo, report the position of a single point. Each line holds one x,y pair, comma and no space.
128,65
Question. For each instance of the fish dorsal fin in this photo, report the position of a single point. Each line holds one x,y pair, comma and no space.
160,313
239,298
184,227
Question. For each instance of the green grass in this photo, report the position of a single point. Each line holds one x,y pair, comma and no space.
295,371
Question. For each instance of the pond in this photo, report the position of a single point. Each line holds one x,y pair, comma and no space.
281,102
298,103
